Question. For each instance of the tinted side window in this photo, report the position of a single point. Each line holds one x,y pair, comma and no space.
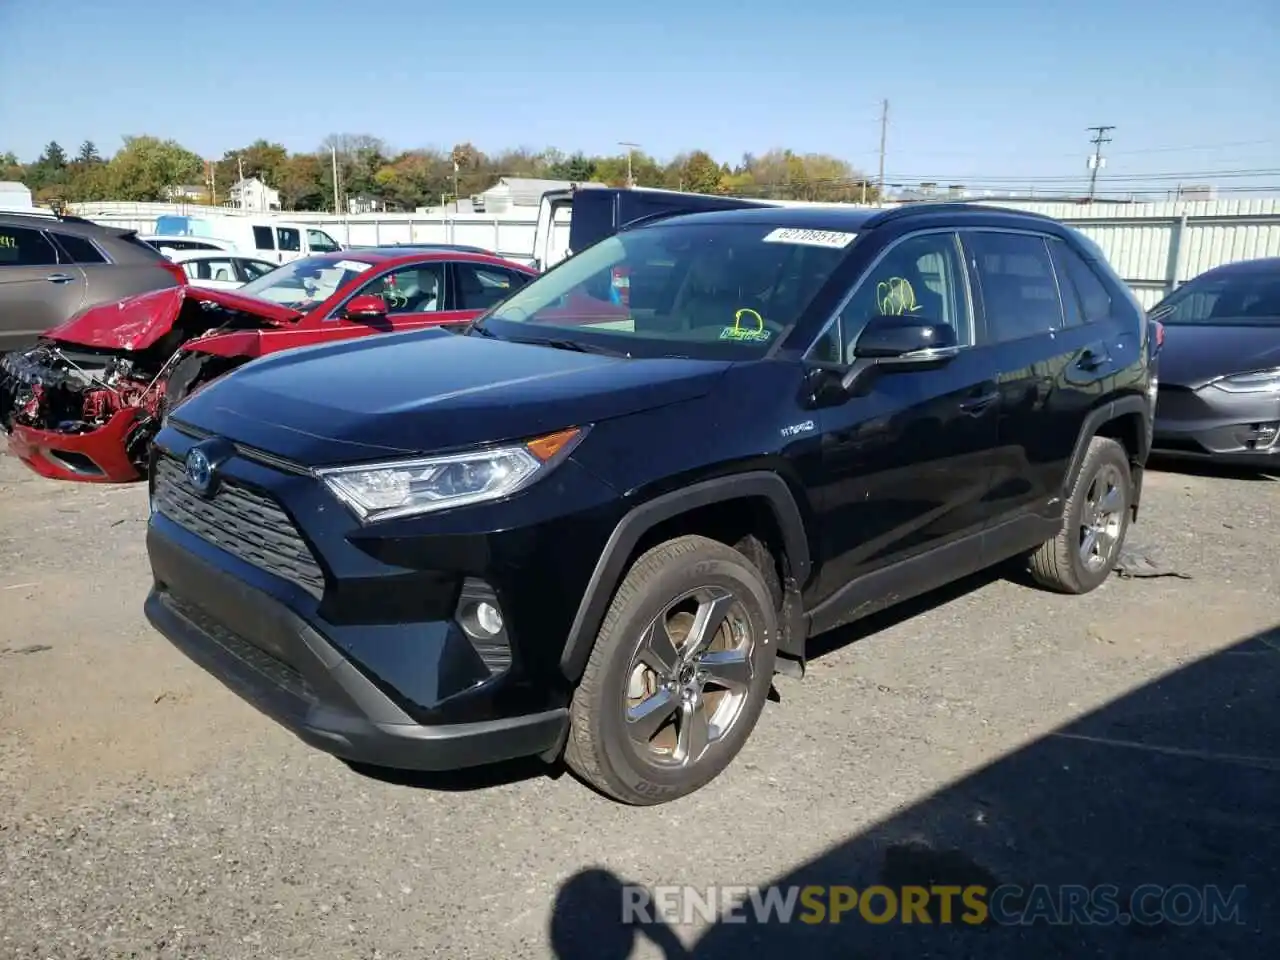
921,276
1019,291
480,287
321,242
290,239
253,269
210,270
20,247
79,249
263,238
1075,273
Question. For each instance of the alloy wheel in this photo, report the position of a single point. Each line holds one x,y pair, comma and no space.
1101,518
689,677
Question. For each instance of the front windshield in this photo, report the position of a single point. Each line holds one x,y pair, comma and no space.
1235,298
301,284
730,289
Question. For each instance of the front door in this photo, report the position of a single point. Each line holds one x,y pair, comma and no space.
905,467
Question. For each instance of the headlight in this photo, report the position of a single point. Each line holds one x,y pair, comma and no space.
378,491
1260,381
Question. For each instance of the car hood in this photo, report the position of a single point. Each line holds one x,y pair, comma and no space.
137,322
1194,354
429,390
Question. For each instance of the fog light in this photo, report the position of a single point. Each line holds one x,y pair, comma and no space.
489,619
480,616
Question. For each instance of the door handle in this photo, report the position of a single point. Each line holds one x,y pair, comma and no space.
975,405
59,278
1092,358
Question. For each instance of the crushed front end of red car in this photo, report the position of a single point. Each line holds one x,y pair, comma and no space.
85,401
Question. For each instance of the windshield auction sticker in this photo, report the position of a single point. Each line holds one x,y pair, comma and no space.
355,266
812,238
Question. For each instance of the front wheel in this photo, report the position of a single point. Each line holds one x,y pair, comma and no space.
678,676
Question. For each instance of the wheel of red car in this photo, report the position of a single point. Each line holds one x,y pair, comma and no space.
678,676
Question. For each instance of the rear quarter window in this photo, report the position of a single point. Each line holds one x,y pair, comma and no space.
79,249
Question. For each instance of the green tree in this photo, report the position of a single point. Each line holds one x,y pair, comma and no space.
302,183
88,153
579,168
145,167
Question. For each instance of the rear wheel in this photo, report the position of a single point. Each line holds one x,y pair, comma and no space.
1096,519
678,676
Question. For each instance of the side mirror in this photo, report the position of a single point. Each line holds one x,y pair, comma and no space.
894,343
366,307
903,339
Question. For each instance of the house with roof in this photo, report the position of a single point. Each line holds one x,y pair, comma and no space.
255,196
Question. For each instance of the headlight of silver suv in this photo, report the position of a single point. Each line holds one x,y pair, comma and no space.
1259,381
379,491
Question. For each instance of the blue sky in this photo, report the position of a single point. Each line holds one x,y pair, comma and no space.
991,89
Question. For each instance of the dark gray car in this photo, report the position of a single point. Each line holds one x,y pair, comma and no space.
53,267
1219,394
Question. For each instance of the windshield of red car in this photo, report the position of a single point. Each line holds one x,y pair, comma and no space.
302,284
725,288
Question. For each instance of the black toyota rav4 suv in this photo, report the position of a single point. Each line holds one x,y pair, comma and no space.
597,522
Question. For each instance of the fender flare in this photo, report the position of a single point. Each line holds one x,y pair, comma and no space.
1104,414
609,569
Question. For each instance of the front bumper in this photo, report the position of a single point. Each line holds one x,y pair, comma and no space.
306,685
96,456
352,636
1214,425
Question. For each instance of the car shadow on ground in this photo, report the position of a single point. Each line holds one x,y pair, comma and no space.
1206,468
1131,812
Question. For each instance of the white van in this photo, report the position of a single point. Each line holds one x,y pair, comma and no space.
276,240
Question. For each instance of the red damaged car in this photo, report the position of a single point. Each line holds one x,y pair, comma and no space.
85,401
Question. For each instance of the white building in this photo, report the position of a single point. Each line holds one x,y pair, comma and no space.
255,196
511,192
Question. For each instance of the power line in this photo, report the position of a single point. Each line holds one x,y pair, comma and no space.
1096,161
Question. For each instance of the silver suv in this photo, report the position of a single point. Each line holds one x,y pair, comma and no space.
53,267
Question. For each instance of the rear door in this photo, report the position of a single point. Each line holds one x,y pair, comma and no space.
1050,366
288,243
37,291
479,286
264,241
114,269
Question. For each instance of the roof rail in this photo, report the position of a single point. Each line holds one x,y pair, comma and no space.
915,207
29,212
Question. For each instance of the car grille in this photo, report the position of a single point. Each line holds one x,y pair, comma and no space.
242,522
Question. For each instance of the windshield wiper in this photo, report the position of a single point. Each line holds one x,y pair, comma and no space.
575,345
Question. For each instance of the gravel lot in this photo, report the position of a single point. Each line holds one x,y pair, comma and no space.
992,734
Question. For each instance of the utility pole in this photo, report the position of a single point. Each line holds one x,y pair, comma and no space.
631,182
1096,162
884,129
333,157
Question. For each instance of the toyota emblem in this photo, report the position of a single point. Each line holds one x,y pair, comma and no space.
199,471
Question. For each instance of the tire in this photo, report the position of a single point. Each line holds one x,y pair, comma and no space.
1059,564
608,748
